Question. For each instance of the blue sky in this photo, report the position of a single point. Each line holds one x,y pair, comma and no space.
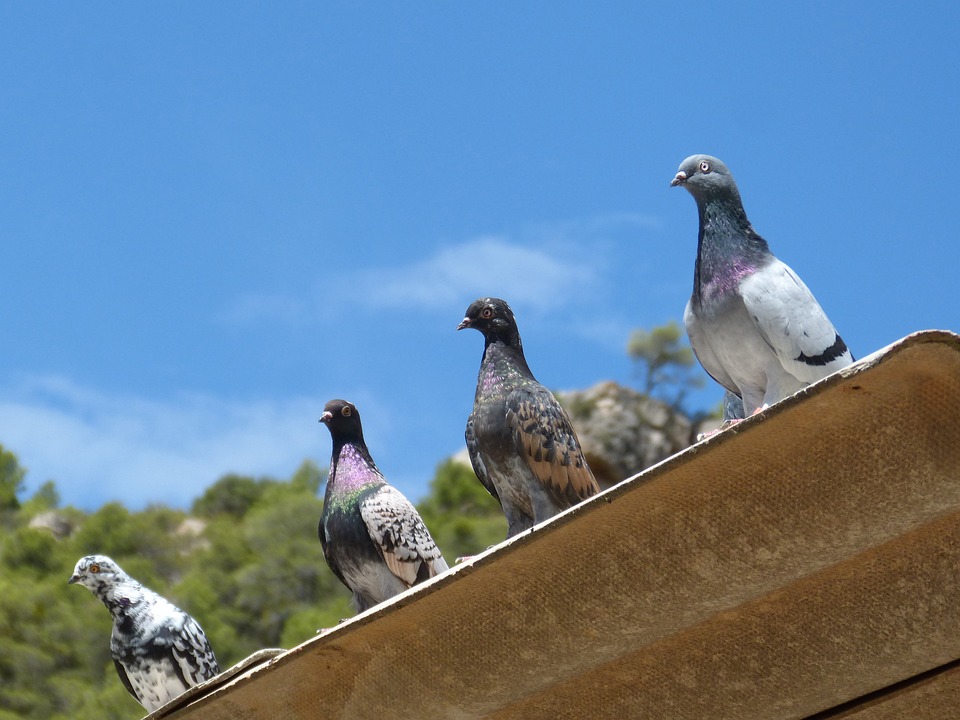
216,217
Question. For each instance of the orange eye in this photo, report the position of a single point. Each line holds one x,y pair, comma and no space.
704,166
347,411
486,313
94,568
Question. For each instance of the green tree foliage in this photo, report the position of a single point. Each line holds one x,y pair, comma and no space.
246,562
11,480
665,364
45,498
230,495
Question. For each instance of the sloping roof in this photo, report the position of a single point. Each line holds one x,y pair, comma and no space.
805,563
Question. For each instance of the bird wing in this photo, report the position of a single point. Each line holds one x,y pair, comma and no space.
328,553
792,323
192,653
397,530
181,639
125,679
544,436
704,350
473,448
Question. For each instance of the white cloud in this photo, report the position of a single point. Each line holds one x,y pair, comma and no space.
488,265
98,446
546,266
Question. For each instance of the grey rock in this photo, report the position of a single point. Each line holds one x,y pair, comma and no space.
54,521
623,432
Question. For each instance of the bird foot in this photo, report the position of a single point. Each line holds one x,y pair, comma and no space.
341,621
729,423
464,558
726,424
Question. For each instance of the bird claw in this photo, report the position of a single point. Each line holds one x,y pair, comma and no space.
341,621
726,424
729,423
465,558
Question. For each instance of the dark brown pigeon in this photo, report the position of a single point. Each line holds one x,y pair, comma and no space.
521,442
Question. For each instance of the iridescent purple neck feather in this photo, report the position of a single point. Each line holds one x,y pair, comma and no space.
728,248
352,468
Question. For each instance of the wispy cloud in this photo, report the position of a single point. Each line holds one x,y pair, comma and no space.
100,446
488,265
542,266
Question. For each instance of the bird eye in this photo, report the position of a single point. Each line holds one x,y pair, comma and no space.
486,313
347,411
94,568
704,166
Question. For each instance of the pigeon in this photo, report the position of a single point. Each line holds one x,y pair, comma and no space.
159,651
753,324
521,442
373,538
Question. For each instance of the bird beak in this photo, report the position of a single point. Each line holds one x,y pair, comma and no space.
465,323
679,179
73,579
326,417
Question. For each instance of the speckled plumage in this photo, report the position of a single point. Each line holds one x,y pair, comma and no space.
520,439
753,324
373,537
159,651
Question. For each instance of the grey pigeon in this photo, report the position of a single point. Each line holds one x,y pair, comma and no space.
159,651
753,324
373,538
521,441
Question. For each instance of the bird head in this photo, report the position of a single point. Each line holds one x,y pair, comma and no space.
95,572
704,176
342,420
494,318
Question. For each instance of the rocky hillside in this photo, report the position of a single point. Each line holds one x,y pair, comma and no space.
623,431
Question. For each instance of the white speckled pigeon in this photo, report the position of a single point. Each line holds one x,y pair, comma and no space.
521,441
753,324
159,651
373,537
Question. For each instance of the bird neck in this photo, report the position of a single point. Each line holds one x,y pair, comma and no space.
728,248
120,596
504,355
351,469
